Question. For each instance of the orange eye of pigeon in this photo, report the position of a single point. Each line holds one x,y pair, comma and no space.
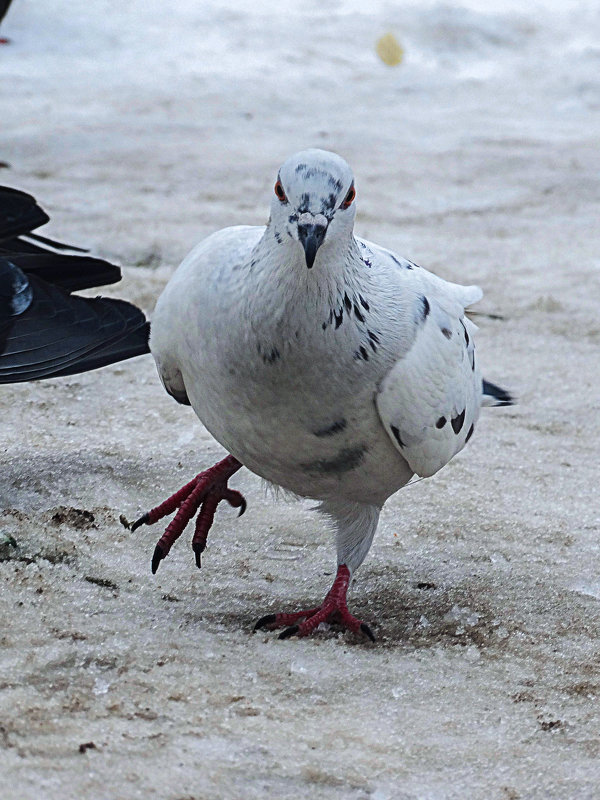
279,192
349,197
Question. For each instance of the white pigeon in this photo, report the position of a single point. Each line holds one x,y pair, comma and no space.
322,362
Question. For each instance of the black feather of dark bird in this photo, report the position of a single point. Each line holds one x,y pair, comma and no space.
45,331
4,6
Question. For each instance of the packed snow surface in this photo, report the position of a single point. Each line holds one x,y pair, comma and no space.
143,126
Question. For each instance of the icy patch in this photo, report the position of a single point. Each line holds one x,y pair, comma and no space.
307,667
591,589
463,618
472,653
101,686
284,551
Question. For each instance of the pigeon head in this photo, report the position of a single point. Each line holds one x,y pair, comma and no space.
313,202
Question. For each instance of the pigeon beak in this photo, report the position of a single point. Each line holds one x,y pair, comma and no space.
311,238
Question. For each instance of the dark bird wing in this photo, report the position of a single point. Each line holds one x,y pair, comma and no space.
19,213
46,332
4,6
19,216
69,272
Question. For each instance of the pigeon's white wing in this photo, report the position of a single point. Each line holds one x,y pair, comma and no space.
207,268
429,401
452,297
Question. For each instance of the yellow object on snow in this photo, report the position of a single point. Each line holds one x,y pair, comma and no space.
389,50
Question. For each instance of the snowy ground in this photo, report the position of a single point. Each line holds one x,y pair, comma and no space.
143,126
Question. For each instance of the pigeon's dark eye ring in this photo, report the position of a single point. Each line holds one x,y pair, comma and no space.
349,199
280,193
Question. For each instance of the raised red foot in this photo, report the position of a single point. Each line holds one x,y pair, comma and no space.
334,609
204,492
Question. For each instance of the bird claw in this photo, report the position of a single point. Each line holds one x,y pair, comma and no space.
198,550
291,631
334,609
272,621
202,494
143,520
235,499
158,556
263,622
367,631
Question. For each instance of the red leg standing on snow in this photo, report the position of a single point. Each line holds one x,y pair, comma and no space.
204,492
334,609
